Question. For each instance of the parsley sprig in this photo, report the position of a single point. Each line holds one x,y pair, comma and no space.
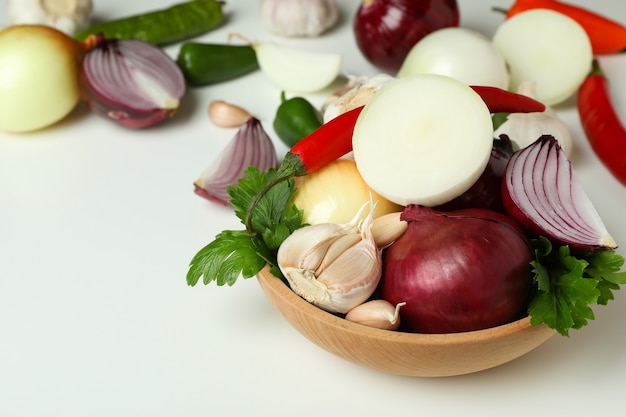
567,286
244,253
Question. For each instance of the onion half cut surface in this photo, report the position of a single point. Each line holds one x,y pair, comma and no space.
423,139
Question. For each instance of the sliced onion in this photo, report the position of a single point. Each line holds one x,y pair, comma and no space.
132,82
542,192
251,146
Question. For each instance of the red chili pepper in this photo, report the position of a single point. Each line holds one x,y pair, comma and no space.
604,129
503,101
607,36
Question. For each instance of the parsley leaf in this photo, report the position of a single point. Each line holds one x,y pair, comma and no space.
242,252
567,286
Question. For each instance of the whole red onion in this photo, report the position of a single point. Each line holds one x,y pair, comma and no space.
458,271
386,30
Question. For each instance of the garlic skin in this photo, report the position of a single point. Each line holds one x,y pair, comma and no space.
67,16
299,18
526,128
380,314
358,95
333,266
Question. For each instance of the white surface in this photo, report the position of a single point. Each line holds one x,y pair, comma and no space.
98,224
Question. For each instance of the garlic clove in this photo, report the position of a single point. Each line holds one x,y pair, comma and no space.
380,314
227,115
68,16
387,228
299,18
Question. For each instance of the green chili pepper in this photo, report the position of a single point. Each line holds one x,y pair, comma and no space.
295,119
160,27
204,63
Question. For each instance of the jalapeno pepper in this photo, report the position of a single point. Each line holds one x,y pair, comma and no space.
295,119
160,27
602,125
204,63
607,36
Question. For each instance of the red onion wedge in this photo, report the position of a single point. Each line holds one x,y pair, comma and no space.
251,146
131,82
542,192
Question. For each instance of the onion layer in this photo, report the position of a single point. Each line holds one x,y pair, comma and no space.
251,146
542,192
457,271
131,82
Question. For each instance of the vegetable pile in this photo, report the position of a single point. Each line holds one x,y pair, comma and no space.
436,196
485,221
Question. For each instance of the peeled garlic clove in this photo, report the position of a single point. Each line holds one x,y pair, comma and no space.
525,128
380,314
295,18
224,114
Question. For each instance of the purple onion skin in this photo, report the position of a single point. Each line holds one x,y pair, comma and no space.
386,30
251,146
458,271
109,91
487,190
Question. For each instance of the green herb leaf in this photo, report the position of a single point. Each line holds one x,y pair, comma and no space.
242,253
567,286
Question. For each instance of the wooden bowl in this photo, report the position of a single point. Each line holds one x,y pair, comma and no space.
411,354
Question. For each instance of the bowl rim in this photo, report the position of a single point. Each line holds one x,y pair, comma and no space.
282,290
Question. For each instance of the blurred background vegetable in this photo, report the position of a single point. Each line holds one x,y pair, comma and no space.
131,82
461,53
386,30
295,119
209,63
176,23
606,36
39,69
548,48
294,18
68,16
251,146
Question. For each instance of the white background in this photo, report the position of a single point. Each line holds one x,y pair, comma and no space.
99,223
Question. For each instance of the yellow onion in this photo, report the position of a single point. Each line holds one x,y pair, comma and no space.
334,193
39,77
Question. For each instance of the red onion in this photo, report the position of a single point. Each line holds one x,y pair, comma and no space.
487,190
458,271
542,192
251,146
386,30
132,82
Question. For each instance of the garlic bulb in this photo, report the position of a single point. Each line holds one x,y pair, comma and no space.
299,18
380,314
526,128
68,16
333,266
359,94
